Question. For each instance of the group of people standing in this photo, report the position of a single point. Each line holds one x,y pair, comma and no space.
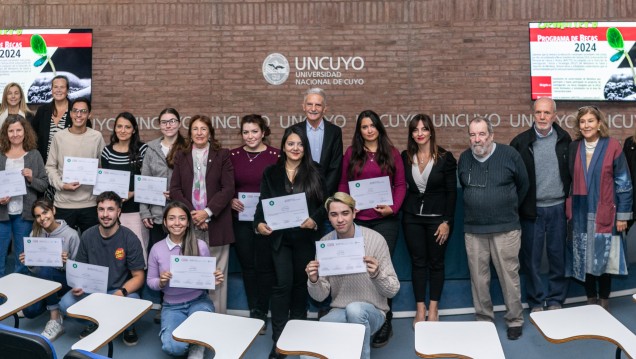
516,198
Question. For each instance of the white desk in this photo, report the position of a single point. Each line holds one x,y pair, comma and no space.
321,339
229,336
112,313
457,340
21,291
584,322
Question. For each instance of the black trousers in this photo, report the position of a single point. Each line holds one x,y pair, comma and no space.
257,266
427,256
289,295
78,218
604,286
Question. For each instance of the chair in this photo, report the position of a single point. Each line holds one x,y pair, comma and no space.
18,343
82,354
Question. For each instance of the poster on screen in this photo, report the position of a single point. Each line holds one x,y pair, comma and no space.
583,60
32,57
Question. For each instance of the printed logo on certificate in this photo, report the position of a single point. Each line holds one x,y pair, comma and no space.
371,192
91,278
285,211
340,256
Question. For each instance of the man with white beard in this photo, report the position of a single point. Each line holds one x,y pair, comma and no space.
495,181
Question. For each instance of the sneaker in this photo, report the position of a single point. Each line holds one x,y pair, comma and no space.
130,337
514,333
53,329
536,309
383,335
196,351
88,330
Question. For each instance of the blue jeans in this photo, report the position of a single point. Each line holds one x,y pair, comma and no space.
359,313
548,228
52,301
69,299
172,315
19,228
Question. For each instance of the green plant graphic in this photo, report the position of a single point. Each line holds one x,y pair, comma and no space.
615,40
39,47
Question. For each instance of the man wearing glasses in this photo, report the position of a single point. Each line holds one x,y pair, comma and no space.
74,203
544,150
494,181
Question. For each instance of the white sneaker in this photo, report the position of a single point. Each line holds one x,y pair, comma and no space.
53,329
196,351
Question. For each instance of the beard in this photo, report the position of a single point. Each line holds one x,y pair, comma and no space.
481,150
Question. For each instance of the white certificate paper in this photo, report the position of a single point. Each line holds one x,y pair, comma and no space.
91,278
112,180
13,183
285,211
340,256
43,252
150,190
371,192
192,272
249,200
79,169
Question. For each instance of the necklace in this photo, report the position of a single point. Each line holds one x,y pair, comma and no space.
252,158
423,159
371,155
589,147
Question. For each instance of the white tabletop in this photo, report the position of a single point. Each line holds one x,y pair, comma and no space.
23,290
229,336
112,313
329,340
584,322
457,339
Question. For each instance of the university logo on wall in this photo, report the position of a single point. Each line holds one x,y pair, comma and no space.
276,69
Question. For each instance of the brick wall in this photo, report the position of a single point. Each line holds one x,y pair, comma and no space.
451,59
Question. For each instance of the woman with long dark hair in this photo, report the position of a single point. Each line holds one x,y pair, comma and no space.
372,155
249,162
291,248
203,179
178,303
126,153
428,212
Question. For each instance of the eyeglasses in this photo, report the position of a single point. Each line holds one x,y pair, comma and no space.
481,178
78,111
588,107
170,122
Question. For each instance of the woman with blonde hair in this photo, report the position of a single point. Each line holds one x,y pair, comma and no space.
14,103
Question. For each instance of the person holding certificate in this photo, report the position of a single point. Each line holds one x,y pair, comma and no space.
360,297
203,179
249,162
126,153
178,303
75,202
372,155
428,211
14,103
20,158
291,248
46,226
159,162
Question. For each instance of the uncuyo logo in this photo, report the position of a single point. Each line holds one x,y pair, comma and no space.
275,69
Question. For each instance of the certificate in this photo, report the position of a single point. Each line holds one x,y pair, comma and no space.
285,211
112,180
79,169
371,192
91,278
340,256
249,200
192,272
43,252
13,183
150,190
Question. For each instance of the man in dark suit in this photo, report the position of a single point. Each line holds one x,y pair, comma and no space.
325,138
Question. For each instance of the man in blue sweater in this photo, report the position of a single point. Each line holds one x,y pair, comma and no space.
495,182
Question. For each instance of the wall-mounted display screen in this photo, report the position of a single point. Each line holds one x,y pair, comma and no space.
32,57
587,61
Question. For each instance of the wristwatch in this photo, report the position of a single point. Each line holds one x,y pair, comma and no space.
124,292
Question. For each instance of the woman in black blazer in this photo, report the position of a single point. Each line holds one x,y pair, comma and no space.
429,209
292,248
